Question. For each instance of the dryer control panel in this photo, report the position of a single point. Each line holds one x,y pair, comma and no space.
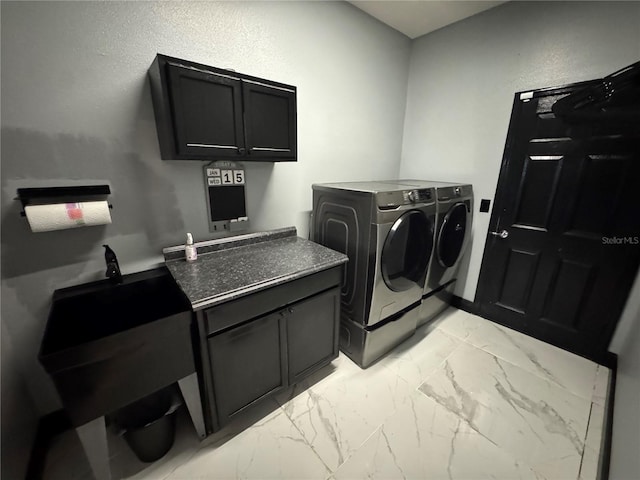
458,191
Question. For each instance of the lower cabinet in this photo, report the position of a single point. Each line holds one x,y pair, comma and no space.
311,327
246,364
253,350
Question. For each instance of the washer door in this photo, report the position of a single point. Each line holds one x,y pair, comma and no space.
406,251
452,233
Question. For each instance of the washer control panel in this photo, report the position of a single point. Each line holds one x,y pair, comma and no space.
397,198
417,196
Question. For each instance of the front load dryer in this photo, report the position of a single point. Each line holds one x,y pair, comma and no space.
388,233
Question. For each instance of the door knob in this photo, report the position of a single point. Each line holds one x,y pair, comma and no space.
501,234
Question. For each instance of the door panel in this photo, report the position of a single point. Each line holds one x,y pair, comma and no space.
592,214
516,284
569,290
567,197
535,203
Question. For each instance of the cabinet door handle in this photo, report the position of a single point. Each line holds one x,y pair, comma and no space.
269,149
286,311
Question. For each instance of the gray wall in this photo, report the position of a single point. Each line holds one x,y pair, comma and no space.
76,109
461,85
19,417
625,461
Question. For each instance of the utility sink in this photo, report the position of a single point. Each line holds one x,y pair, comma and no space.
107,345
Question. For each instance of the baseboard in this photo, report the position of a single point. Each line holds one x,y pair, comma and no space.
49,427
604,461
610,360
466,305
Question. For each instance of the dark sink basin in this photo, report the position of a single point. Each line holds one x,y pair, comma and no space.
106,345
96,310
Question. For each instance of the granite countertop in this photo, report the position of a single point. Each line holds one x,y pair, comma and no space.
230,268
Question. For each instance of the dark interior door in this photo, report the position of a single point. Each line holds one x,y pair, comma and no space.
562,249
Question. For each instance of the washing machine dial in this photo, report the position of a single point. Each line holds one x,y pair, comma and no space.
412,196
423,195
457,191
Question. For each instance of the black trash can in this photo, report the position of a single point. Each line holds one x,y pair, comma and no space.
149,425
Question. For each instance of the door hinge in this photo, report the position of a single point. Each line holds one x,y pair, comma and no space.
526,96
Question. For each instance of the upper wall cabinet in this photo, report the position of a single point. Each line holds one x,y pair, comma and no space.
207,113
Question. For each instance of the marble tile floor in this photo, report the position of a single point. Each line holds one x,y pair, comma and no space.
462,399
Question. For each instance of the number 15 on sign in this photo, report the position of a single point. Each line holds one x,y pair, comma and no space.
232,177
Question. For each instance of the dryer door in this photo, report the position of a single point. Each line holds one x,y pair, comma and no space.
406,251
452,235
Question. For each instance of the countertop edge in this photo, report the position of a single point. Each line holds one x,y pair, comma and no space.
242,292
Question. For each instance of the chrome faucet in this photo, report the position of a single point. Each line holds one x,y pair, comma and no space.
113,268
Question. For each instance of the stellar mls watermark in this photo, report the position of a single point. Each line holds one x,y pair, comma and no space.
620,240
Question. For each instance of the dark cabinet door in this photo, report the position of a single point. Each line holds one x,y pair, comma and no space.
207,113
247,364
270,121
312,333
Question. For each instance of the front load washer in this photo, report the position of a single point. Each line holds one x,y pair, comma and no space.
388,233
454,202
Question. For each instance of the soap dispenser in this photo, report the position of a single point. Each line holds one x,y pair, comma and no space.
190,251
113,268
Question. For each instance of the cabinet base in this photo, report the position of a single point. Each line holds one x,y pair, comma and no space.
435,303
366,346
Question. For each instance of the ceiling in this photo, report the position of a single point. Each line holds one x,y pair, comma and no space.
418,17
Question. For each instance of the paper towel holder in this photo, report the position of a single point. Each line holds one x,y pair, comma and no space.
44,195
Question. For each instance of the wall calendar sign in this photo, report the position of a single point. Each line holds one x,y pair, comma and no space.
224,181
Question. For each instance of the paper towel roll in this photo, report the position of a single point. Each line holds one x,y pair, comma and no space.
58,216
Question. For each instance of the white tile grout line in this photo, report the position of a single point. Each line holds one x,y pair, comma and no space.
376,430
584,448
306,441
